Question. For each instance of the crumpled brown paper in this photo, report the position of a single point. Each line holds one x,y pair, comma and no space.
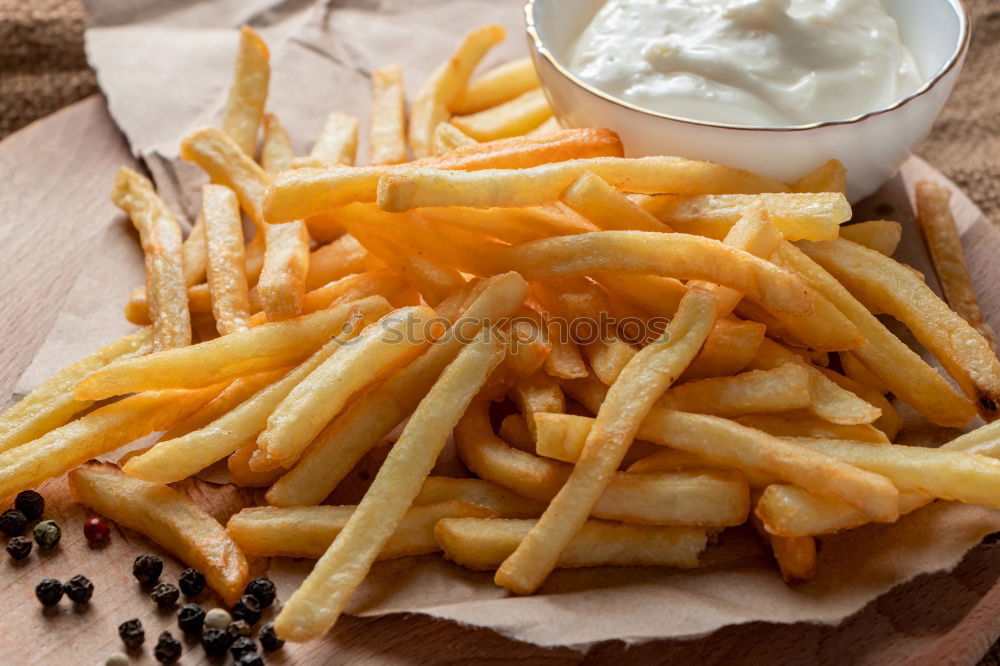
165,70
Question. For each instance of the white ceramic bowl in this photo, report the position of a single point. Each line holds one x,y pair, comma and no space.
871,146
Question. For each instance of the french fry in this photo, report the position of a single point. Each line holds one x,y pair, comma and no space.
713,498
496,86
53,403
168,518
227,164
883,236
387,136
388,344
286,265
795,556
830,177
806,425
536,394
248,92
826,329
939,230
160,235
888,421
316,187
425,187
887,286
483,544
514,430
101,431
902,370
338,141
265,347
308,531
447,138
657,295
729,348
512,118
527,344
607,358
238,464
594,199
194,253
784,388
276,154
334,260
564,360
227,279
481,493
357,286
644,379
430,106
857,371
315,606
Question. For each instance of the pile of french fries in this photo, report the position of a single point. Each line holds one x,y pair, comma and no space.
437,294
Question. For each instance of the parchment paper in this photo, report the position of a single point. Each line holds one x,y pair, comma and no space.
165,68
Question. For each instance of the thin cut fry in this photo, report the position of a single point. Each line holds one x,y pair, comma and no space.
195,253
879,235
238,464
286,264
388,119
512,118
338,142
781,389
729,349
496,86
594,199
857,371
276,154
537,394
227,279
488,495
830,177
248,92
805,425
795,556
225,163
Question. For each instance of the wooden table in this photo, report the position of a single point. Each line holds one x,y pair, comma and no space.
55,179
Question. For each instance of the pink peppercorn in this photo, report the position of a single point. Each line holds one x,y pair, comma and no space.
95,530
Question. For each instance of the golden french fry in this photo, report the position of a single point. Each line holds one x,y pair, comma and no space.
483,544
806,425
238,464
265,347
594,199
227,279
527,343
889,421
514,430
729,348
286,265
447,138
194,251
338,141
334,260
53,403
370,418
826,329
795,556
939,230
608,357
857,371
315,606
512,118
308,531
160,235
481,493
784,388
388,344
496,86
536,394
168,518
830,177
388,119
880,235
564,360
902,370
276,154
382,282
248,92
430,106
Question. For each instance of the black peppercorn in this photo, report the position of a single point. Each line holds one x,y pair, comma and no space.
247,608
47,534
168,649
250,659
191,582
147,569
190,619
242,645
30,503
268,638
216,641
79,589
239,628
49,591
165,595
13,522
131,633
263,590
19,547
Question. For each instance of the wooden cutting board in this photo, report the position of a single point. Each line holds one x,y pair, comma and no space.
55,177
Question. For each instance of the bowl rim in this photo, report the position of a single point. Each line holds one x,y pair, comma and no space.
961,11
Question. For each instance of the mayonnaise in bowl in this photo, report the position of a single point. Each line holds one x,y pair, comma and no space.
752,63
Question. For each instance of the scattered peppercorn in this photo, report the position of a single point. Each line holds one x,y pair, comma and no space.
191,618
47,534
79,589
116,659
168,649
263,590
215,641
268,638
247,608
13,522
95,530
49,591
30,503
218,618
131,633
192,582
250,659
239,628
19,547
147,569
165,595
242,645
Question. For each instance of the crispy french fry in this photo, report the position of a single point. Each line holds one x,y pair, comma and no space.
308,531
388,119
334,260
512,118
805,425
594,199
888,421
880,235
168,518
338,141
227,279
496,86
608,357
488,495
53,403
536,394
238,464
857,371
514,430
795,556
830,177
194,251
265,347
447,138
276,154
226,164
160,235
286,265
430,106
370,418
248,92
527,344
483,544
781,389
564,360
939,230
729,348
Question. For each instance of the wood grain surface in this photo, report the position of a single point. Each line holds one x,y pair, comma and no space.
56,175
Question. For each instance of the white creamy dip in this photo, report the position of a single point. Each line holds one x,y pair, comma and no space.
747,62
